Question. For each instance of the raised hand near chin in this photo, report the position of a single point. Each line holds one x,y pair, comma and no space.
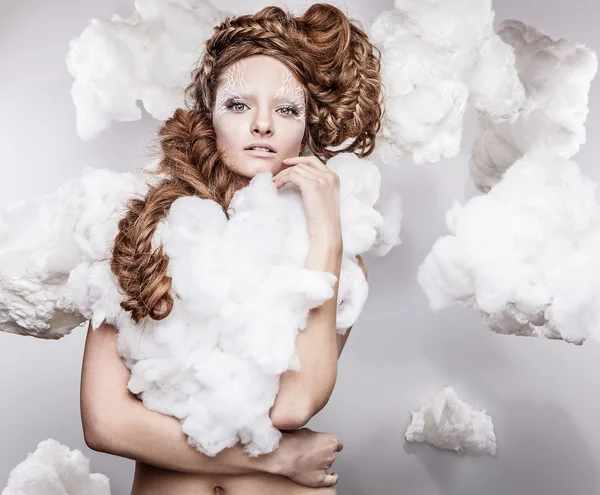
320,189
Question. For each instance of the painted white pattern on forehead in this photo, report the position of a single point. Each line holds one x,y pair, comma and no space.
291,88
234,78
235,84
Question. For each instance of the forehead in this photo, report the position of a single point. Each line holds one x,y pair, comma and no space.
259,75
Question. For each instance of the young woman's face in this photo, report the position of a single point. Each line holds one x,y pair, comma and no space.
258,100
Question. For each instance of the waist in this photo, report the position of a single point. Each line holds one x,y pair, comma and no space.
152,480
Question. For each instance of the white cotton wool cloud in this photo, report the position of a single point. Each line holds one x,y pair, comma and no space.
389,205
54,469
446,422
436,56
524,256
44,241
241,292
557,75
147,57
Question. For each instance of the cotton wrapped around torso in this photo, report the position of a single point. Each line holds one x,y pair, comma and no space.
241,294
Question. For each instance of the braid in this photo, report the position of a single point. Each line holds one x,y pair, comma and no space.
330,56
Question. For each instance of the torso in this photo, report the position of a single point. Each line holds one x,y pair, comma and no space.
151,480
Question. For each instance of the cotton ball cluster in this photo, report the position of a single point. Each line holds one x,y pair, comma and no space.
436,55
45,241
239,301
449,423
524,256
389,205
53,469
241,294
147,57
557,75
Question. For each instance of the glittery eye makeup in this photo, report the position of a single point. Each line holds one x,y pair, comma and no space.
232,103
259,100
230,96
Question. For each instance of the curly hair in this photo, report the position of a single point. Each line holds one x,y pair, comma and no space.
339,68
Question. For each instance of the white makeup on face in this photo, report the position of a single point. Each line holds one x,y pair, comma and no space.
259,100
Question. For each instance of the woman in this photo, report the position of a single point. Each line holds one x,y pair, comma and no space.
270,89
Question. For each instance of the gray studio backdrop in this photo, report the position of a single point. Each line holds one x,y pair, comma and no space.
542,395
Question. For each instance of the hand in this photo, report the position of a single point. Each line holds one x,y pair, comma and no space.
320,189
304,456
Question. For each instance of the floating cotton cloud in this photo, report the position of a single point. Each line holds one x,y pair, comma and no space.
241,292
557,76
42,242
147,57
389,205
524,256
449,423
437,55
54,469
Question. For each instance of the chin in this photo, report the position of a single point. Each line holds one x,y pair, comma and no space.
251,169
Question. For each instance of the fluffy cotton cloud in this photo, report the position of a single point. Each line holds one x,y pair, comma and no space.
449,423
557,76
53,469
524,256
437,55
44,239
147,57
241,290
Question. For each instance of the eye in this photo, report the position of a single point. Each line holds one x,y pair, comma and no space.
292,111
233,103
238,107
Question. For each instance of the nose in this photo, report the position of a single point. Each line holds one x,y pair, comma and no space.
262,130
262,124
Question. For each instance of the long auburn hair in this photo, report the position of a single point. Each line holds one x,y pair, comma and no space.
329,55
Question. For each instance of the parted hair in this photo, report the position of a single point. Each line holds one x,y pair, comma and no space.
329,55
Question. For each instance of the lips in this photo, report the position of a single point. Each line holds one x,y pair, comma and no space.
260,149
260,145
261,153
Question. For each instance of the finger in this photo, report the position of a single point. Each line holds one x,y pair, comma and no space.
311,162
300,178
339,447
314,170
309,172
306,159
287,172
327,174
298,165
312,173
291,176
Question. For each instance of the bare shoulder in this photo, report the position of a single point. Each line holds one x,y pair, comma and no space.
362,264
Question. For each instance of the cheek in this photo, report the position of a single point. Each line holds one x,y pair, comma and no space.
294,132
225,133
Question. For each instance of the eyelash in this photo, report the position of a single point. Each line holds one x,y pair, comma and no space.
233,103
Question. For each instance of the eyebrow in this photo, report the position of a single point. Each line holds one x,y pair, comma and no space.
280,98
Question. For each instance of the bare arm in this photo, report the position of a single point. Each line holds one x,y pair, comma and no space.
116,422
302,394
